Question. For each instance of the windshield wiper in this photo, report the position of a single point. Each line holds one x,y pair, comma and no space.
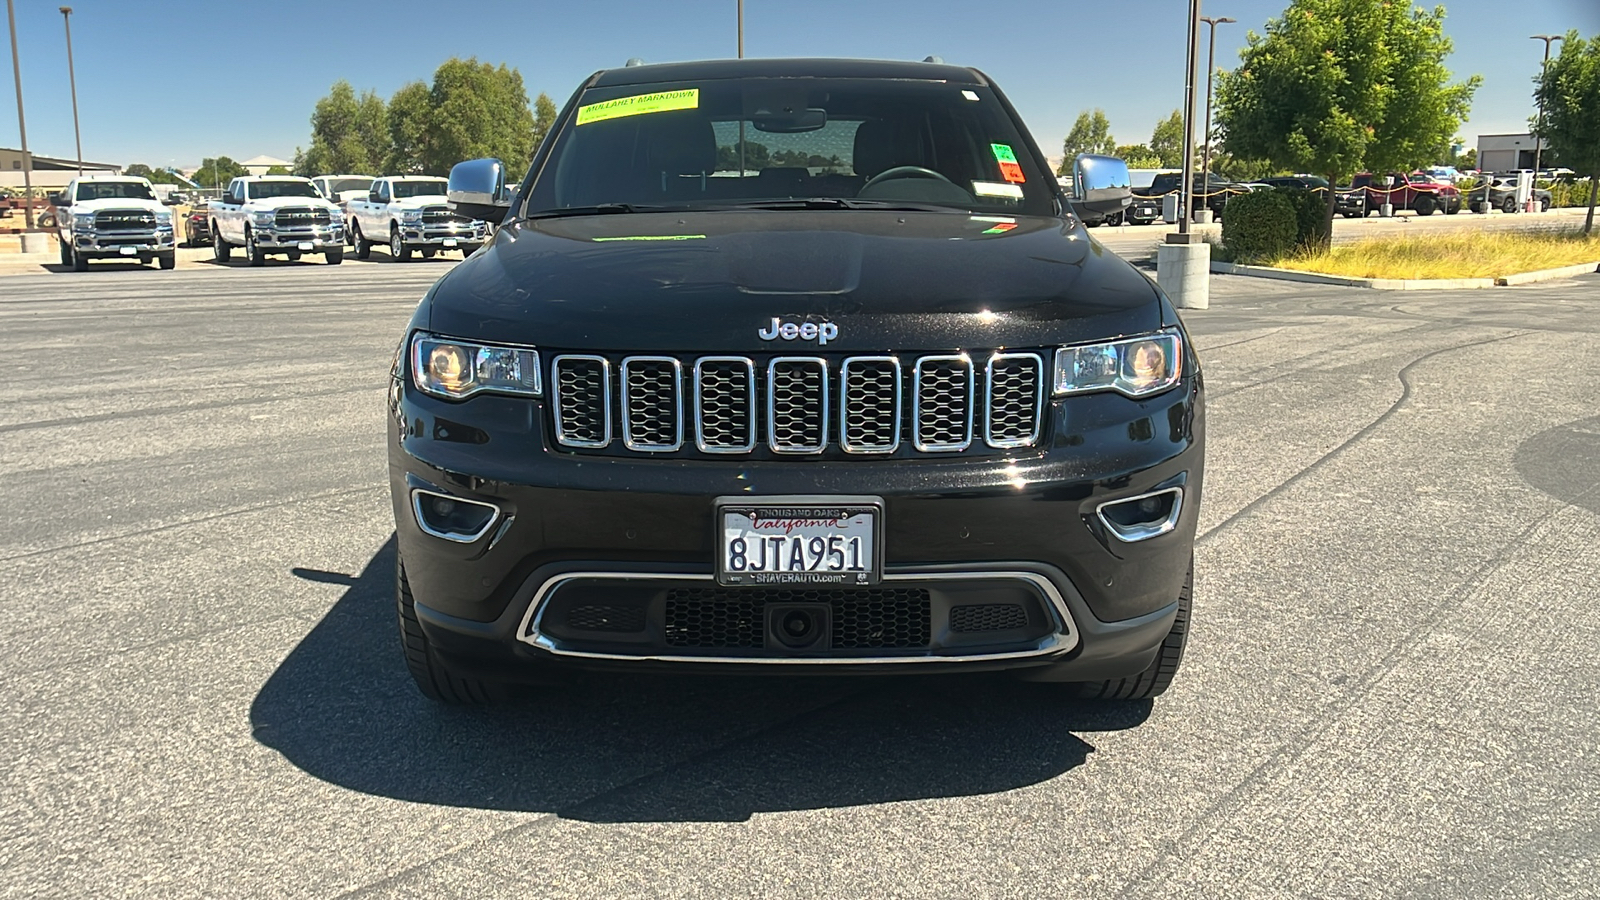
598,209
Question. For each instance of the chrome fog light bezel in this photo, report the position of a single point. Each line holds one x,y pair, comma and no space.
1132,534
417,495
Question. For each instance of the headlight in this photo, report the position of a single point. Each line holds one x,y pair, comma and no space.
262,218
335,214
454,369
411,216
164,217
1132,366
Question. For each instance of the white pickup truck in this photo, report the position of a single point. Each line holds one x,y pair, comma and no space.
409,213
113,217
276,214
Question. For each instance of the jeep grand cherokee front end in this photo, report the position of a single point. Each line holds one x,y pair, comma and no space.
793,365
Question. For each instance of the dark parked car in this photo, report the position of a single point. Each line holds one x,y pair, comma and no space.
197,228
1503,194
1216,191
1349,202
865,400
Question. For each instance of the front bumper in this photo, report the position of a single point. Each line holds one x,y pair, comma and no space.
321,238
107,245
446,236
1024,526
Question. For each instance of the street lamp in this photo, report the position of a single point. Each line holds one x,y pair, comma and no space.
72,79
22,125
1211,68
741,29
1186,197
1538,139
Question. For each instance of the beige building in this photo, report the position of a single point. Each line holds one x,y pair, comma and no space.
50,173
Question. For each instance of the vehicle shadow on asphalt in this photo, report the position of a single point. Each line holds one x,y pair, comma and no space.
1560,462
609,749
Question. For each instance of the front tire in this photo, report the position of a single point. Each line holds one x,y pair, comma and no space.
1424,206
66,252
167,260
80,263
1153,681
1509,205
363,246
397,244
333,257
219,247
251,250
432,676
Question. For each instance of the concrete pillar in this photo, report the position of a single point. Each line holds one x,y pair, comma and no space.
1184,272
1202,216
37,242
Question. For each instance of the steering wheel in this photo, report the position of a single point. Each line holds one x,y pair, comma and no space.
905,172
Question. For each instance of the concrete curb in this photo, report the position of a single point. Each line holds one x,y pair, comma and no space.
1548,274
1377,284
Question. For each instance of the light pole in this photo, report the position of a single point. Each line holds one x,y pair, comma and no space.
72,79
1186,198
1211,68
1538,139
22,125
741,29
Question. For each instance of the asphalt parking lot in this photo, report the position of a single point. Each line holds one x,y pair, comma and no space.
1390,691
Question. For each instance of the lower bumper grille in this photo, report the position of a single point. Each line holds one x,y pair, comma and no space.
881,618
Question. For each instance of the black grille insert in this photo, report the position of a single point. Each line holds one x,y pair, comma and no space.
583,400
798,405
651,407
943,403
869,404
863,618
988,617
610,617
724,399
1016,393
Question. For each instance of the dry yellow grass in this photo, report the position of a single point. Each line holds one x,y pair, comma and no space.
1450,255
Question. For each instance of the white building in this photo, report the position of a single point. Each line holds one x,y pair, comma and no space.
260,164
1506,152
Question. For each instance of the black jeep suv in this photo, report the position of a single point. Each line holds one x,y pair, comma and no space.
793,365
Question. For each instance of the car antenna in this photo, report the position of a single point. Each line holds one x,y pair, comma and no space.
633,61
937,60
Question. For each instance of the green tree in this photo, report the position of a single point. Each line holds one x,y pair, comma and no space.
218,172
1091,133
1338,87
477,110
154,176
1568,91
1138,156
544,116
409,112
279,170
1166,142
348,134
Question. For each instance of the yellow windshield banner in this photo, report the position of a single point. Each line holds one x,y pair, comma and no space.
665,101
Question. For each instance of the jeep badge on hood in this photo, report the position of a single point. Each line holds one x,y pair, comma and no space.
822,332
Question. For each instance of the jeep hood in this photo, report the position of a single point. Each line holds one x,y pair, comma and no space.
708,282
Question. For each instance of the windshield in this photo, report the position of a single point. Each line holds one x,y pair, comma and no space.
113,190
426,187
263,189
335,185
755,141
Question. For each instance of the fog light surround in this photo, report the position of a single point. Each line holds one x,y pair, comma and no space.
451,518
1142,517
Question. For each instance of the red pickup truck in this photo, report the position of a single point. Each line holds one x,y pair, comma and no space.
1417,191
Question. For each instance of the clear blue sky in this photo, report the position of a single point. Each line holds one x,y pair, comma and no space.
166,82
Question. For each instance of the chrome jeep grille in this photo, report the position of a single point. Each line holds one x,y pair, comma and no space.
798,405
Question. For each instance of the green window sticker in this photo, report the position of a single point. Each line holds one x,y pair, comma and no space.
639,105
1002,152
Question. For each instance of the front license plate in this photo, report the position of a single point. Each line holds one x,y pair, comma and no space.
449,242
305,245
128,251
805,541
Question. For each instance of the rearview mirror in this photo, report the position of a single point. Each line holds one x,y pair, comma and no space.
1101,184
477,189
789,122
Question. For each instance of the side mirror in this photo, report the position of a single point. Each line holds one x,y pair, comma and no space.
477,189
60,200
1101,184
372,197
